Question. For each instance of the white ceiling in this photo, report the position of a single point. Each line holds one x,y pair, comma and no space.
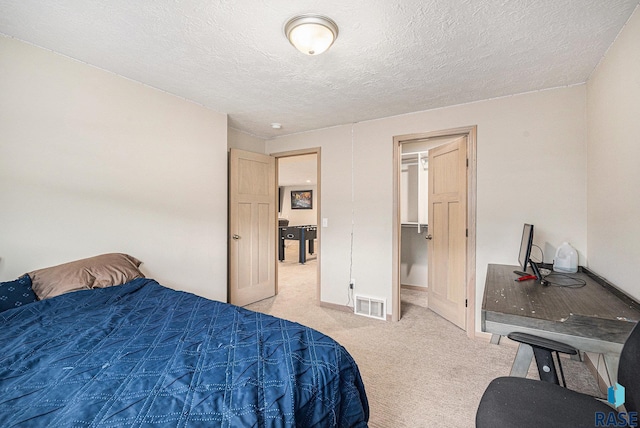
391,57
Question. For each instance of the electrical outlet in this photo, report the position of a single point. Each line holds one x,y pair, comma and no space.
352,283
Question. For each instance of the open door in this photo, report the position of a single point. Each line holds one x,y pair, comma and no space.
252,227
447,230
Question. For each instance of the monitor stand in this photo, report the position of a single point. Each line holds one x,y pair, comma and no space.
536,270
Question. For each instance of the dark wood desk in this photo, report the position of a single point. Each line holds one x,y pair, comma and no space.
594,318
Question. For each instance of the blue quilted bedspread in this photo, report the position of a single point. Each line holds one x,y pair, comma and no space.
141,354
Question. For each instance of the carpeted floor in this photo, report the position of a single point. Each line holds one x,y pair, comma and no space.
419,372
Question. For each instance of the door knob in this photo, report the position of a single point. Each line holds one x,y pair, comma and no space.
236,237
429,237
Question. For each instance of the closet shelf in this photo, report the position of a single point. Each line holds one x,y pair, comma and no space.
414,224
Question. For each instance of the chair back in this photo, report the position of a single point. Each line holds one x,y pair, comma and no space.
629,370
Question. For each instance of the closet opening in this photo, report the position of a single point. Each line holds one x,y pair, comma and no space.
434,216
414,228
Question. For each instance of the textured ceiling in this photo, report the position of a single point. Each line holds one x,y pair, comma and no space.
391,57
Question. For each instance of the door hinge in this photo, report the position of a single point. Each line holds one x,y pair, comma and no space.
466,303
466,233
467,162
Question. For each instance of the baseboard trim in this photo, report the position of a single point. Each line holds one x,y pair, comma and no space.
414,287
483,336
504,340
336,307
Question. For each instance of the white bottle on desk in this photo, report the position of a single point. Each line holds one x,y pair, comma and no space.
566,259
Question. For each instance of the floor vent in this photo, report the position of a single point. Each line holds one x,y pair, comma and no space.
370,307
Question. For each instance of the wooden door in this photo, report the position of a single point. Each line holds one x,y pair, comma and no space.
447,230
252,227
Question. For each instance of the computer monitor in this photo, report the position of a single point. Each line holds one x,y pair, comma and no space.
524,258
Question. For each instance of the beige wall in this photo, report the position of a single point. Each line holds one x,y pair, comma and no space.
299,217
243,141
531,168
613,229
91,162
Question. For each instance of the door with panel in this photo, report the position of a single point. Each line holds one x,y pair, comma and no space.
448,230
252,227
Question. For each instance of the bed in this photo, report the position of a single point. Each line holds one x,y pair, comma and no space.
130,352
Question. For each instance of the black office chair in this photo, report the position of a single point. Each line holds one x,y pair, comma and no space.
523,403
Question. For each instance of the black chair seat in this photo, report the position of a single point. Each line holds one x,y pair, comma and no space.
523,403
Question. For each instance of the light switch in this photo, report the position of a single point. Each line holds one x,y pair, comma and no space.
325,222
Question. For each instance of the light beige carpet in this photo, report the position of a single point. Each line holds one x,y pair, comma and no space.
419,372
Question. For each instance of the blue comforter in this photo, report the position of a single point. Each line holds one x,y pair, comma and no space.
141,354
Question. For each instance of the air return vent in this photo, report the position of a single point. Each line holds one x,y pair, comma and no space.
370,307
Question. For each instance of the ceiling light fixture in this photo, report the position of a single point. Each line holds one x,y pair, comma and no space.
311,34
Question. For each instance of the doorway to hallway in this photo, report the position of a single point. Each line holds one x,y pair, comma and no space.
298,235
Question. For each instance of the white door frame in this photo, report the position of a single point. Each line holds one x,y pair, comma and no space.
470,133
309,151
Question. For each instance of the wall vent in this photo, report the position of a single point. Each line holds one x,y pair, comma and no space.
370,307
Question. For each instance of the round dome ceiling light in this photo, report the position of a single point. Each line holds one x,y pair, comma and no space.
311,34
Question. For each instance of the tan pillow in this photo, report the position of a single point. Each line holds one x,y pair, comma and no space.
95,272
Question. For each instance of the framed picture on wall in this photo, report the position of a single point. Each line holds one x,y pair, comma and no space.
301,199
